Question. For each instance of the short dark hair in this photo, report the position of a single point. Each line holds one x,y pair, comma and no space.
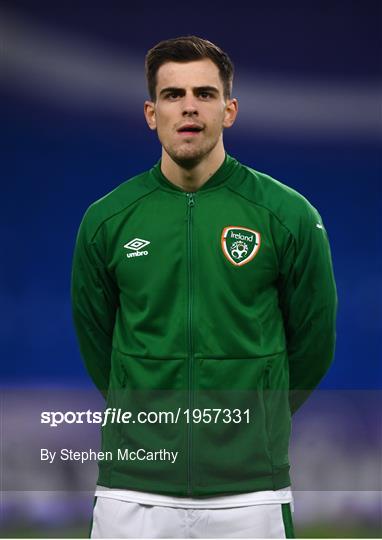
187,49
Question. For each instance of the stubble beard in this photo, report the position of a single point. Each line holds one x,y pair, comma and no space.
187,155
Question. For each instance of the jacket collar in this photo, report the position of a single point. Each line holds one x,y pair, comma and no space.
217,179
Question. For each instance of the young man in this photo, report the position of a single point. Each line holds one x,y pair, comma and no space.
204,302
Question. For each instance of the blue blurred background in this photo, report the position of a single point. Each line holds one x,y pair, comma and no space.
308,81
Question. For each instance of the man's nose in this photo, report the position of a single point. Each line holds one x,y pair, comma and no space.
189,105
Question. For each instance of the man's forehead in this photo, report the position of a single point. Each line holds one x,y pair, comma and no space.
194,74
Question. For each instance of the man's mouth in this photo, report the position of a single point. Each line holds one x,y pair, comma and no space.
190,129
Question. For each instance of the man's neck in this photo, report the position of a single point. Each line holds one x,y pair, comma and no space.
192,179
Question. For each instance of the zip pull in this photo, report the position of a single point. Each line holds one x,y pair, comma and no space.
191,200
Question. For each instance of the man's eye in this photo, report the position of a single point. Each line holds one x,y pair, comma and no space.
205,95
172,95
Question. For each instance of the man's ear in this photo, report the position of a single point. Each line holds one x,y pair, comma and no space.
231,110
149,112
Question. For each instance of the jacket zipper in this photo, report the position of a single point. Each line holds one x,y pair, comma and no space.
191,204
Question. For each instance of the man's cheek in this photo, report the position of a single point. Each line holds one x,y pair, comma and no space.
160,132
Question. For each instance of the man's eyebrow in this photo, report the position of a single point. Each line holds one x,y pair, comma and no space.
208,89
169,89
197,88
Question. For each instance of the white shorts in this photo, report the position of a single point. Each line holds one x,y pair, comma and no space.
113,518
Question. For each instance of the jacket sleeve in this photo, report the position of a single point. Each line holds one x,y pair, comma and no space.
94,304
308,301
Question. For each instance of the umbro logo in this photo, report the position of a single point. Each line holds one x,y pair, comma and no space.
136,245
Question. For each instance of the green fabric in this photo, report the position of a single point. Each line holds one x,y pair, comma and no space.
287,519
230,305
92,518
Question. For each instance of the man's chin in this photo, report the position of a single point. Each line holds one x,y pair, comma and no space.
188,158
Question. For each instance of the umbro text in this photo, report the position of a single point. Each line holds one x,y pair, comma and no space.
137,254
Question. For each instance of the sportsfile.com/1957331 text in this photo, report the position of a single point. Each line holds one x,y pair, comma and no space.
113,415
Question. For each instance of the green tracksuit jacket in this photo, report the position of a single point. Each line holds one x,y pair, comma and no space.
216,306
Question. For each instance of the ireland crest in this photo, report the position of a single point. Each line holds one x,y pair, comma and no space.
240,244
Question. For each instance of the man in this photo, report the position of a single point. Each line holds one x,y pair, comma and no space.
203,290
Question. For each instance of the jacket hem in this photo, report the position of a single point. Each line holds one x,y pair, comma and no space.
273,482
